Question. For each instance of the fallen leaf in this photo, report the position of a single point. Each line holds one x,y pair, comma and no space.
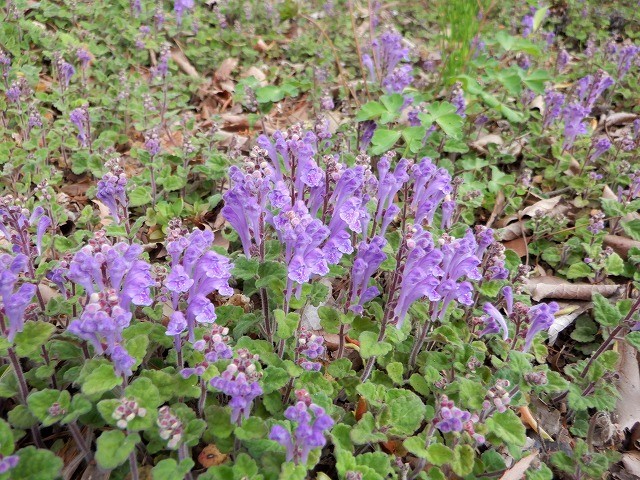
545,206
564,320
618,118
183,63
620,245
498,207
513,231
361,408
211,456
532,423
628,386
610,195
227,66
518,471
518,245
553,287
485,140
631,461
256,73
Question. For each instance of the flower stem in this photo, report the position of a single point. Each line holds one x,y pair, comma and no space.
23,393
133,465
80,441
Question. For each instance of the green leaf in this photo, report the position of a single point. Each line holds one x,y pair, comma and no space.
274,378
371,347
101,380
144,392
245,269
34,335
395,371
633,338
507,427
137,348
538,17
406,411
286,324
40,402
614,265
439,454
169,469
444,114
632,228
139,196
364,431
383,139
114,447
463,458
370,111
6,439
36,464
329,319
579,270
252,428
340,368
605,313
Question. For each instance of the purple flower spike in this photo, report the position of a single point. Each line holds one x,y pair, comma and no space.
497,317
310,421
240,382
541,317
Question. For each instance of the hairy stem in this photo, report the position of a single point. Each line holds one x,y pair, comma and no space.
80,441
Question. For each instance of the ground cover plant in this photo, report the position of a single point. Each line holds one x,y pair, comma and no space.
342,239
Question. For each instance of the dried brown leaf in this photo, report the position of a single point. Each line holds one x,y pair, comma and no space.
554,287
546,205
628,386
498,207
513,231
211,456
519,245
631,462
518,471
183,63
620,245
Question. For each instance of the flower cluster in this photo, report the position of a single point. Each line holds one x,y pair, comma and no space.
8,462
240,382
15,222
452,419
196,272
384,62
111,189
214,346
14,302
498,397
127,411
310,421
170,427
114,278
312,347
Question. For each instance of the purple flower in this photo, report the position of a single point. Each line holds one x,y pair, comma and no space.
553,102
458,100
8,462
421,274
527,23
65,72
591,87
14,302
310,422
180,6
495,322
562,61
112,192
80,118
83,56
387,52
196,272
626,55
431,186
574,124
541,317
368,259
599,147
177,324
368,128
450,418
240,382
